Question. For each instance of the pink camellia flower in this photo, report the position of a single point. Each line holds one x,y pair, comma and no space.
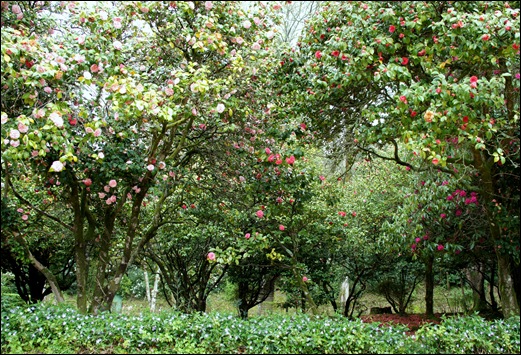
440,247
25,217
14,134
267,150
106,188
208,5
210,256
20,210
392,28
353,214
87,182
443,215
117,45
22,127
403,99
97,132
259,213
290,160
116,22
435,161
281,227
256,46
246,24
113,183
278,200
304,278
150,167
322,177
417,240
450,198
318,54
101,195
247,235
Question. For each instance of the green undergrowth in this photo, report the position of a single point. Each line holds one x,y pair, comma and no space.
46,328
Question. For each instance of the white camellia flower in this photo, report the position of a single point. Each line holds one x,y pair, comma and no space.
220,108
56,166
117,45
87,75
57,119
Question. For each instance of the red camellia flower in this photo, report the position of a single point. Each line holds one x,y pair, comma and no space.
353,214
485,37
335,53
435,161
405,60
87,182
421,53
440,247
473,79
342,213
465,119
318,54
290,160
392,28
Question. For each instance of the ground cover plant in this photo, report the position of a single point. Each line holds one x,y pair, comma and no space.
59,329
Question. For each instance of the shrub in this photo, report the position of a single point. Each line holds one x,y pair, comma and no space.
46,328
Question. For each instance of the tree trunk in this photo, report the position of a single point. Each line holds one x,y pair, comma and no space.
429,286
509,303
507,291
243,305
147,285
477,280
154,292
51,279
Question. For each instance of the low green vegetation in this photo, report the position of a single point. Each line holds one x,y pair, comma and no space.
46,328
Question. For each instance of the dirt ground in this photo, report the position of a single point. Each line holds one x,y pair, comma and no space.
412,321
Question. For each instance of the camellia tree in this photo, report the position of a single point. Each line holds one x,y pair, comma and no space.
109,103
438,79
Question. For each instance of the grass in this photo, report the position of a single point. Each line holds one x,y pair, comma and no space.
445,301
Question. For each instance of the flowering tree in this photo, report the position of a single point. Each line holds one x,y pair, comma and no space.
107,105
437,79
